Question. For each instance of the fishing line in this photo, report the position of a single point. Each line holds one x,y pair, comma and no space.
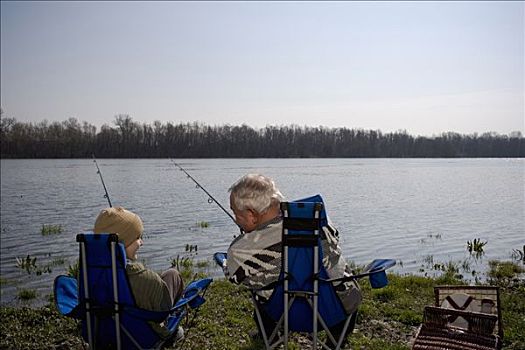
211,199
106,195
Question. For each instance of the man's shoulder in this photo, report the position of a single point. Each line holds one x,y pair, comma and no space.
263,236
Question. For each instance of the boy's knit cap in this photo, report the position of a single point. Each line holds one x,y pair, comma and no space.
118,220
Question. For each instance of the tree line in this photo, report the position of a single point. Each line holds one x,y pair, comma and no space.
129,139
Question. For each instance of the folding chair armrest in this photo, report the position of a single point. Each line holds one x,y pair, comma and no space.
343,279
200,284
479,323
351,277
377,267
183,302
220,258
65,290
192,294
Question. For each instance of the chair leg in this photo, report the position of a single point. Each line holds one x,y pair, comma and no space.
268,329
341,331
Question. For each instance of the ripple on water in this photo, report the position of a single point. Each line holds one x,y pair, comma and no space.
390,208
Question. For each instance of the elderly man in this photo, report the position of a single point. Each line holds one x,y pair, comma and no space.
254,258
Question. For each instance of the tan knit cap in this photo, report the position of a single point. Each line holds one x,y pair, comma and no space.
118,220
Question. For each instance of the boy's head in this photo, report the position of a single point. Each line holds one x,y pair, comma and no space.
127,225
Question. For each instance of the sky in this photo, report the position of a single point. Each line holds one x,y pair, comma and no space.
424,67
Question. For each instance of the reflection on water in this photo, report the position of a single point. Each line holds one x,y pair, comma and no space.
406,209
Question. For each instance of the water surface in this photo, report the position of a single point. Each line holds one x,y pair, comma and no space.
412,210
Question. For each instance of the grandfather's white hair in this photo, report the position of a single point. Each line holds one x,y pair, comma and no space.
256,192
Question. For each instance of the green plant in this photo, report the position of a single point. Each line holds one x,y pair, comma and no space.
72,270
429,260
465,265
50,229
384,294
504,273
203,224
518,255
26,294
183,265
451,274
475,247
58,261
203,264
29,264
191,247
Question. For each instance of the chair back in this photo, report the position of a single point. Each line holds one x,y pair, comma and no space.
111,319
304,291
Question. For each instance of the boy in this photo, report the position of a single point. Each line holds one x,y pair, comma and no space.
151,291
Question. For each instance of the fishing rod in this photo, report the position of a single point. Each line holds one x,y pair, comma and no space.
106,195
211,199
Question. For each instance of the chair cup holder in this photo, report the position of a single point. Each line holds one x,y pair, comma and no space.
378,279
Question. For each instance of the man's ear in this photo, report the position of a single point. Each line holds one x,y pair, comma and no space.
254,216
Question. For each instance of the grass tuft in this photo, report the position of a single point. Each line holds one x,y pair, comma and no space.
50,230
203,224
26,294
504,273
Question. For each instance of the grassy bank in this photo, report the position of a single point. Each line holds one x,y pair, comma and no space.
388,318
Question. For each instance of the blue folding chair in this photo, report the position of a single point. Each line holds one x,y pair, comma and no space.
305,297
103,300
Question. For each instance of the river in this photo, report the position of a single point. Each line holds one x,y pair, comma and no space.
417,211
